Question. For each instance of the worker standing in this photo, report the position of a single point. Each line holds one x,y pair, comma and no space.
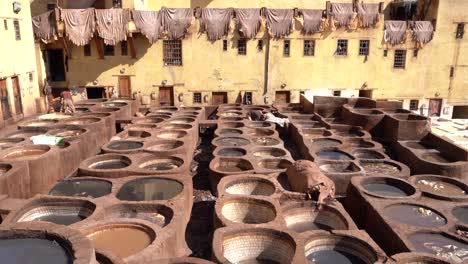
67,102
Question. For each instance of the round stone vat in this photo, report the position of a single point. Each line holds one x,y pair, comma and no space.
56,211
230,114
56,116
158,214
436,157
441,187
82,110
249,185
231,152
231,124
67,133
182,120
231,141
38,123
159,115
122,239
415,215
230,118
339,167
247,210
176,126
259,124
109,162
360,143
274,164
81,121
258,245
461,214
114,104
164,145
332,248
192,108
367,154
140,126
90,188
315,133
307,124
303,217
106,109
229,131
268,153
333,154
10,142
26,152
352,133
150,189
387,187
266,141
441,245
161,164
171,134
325,143
418,258
27,133
124,145
260,132
227,165
380,167
132,133
148,120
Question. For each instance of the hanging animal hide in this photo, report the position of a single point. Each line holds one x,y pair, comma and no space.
112,25
343,13
279,22
215,22
312,20
423,31
395,31
79,25
248,21
368,14
44,26
149,24
176,21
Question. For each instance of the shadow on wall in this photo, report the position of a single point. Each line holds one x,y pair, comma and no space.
199,3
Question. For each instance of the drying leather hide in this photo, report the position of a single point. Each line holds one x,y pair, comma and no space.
215,22
79,25
149,24
423,31
112,25
176,21
44,26
312,20
368,14
395,31
342,13
279,22
248,21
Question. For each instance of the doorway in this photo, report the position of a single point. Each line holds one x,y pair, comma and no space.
435,107
125,87
4,100
219,98
166,96
56,65
283,97
17,95
95,92
365,93
460,112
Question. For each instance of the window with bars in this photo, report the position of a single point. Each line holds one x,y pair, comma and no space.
385,53
460,30
309,47
109,50
399,61
336,93
123,48
197,98
414,105
31,77
415,53
287,48
364,47
248,98
16,25
241,47
51,6
117,3
342,47
5,24
172,52
260,45
225,44
87,50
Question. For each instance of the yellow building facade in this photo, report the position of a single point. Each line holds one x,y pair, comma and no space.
19,90
437,72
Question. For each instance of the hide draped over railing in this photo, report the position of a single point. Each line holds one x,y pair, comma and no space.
148,23
395,31
312,20
342,13
423,31
112,25
215,22
248,21
44,26
279,22
176,21
80,25
368,14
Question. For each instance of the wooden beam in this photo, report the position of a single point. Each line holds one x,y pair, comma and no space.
99,47
131,46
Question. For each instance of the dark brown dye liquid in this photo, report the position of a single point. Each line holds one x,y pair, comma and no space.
380,168
307,226
368,155
361,144
435,157
66,219
233,168
231,152
266,141
230,131
461,213
325,142
333,155
351,134
109,165
125,145
440,245
161,166
149,190
331,256
232,142
32,250
384,189
415,215
440,187
121,241
82,188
